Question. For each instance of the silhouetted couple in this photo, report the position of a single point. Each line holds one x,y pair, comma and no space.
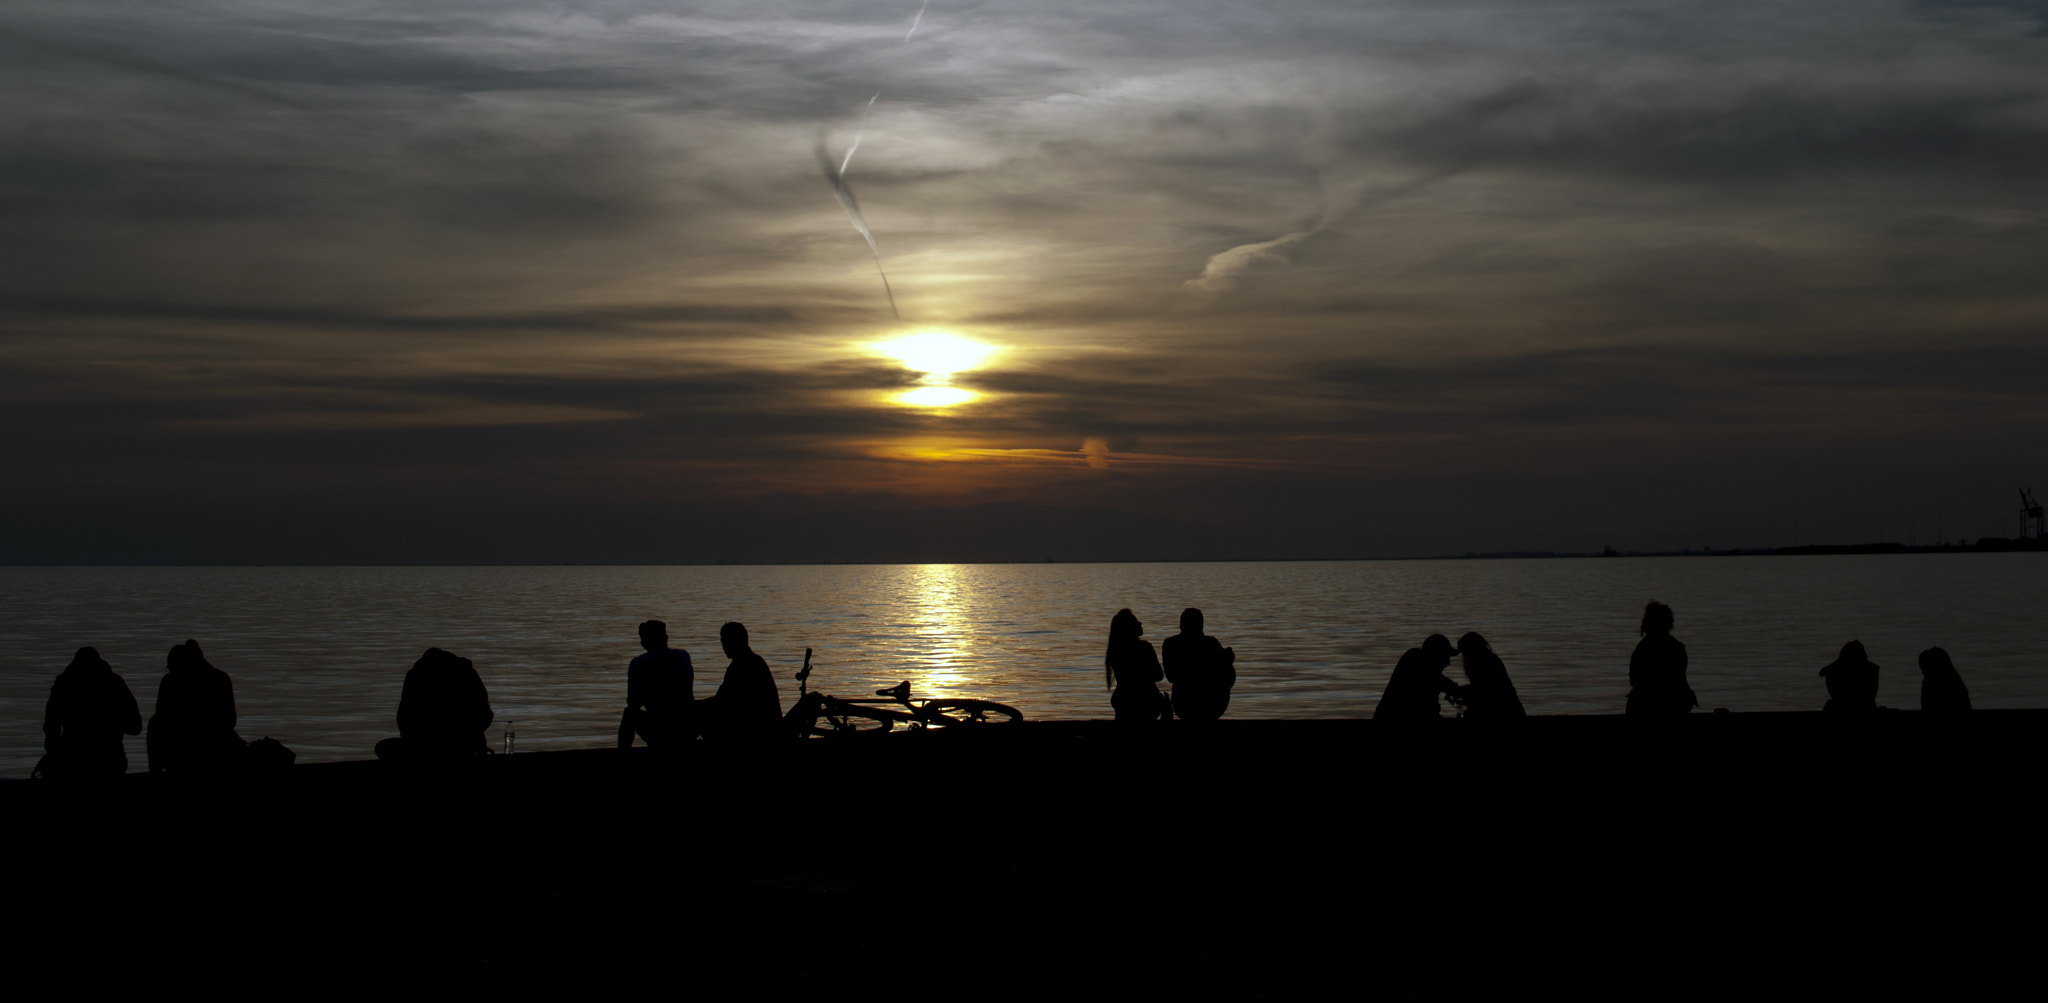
1200,668
1419,679
443,711
193,729
1852,682
660,694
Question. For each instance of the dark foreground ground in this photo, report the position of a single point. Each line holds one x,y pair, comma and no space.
1896,855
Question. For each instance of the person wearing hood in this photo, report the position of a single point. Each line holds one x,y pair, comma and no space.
89,710
1941,686
1852,681
193,729
443,711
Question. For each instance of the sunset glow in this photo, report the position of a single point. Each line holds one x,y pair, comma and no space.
935,396
937,354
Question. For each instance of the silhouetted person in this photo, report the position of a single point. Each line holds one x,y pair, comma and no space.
193,729
1852,681
747,705
1417,680
1941,686
1200,668
1656,672
1131,671
1488,693
443,711
660,701
90,709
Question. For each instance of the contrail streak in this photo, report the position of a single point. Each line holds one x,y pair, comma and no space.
857,134
844,194
915,21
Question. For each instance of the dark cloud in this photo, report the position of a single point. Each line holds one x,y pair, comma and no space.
1654,272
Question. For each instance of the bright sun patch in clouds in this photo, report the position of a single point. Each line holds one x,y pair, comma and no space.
935,396
938,355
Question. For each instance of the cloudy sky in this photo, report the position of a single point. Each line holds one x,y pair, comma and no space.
465,281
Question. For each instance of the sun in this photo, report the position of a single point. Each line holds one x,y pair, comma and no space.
935,396
937,354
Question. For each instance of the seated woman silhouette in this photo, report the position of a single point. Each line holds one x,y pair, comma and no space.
1488,693
1852,681
1941,686
443,711
1417,680
90,708
1656,672
1131,669
747,706
193,729
1201,670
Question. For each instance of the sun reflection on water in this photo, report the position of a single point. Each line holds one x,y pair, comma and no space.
938,619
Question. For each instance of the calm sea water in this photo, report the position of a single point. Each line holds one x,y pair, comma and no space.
318,654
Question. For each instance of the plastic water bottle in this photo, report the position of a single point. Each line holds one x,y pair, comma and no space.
509,736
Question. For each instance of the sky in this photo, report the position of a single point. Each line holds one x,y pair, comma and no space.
456,282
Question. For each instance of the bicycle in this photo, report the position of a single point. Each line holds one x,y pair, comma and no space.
889,708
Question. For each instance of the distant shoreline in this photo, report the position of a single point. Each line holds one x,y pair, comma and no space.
1988,545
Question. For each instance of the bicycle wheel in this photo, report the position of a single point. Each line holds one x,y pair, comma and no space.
841,718
952,712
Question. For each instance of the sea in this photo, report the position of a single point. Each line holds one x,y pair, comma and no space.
318,654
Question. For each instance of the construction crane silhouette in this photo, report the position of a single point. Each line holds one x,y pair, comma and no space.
2033,519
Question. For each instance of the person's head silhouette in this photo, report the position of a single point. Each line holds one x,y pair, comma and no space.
733,638
1472,644
1191,622
1437,648
654,635
1124,626
1656,619
1935,662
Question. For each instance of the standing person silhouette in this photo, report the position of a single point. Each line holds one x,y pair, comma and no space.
660,697
443,711
1852,681
1131,670
1200,668
1656,671
1941,686
1417,680
747,705
90,708
1488,692
193,729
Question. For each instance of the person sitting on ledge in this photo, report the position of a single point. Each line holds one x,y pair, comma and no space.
659,698
1131,672
1417,680
1941,686
1489,694
193,729
443,711
90,709
1201,670
747,706
1852,681
1656,671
